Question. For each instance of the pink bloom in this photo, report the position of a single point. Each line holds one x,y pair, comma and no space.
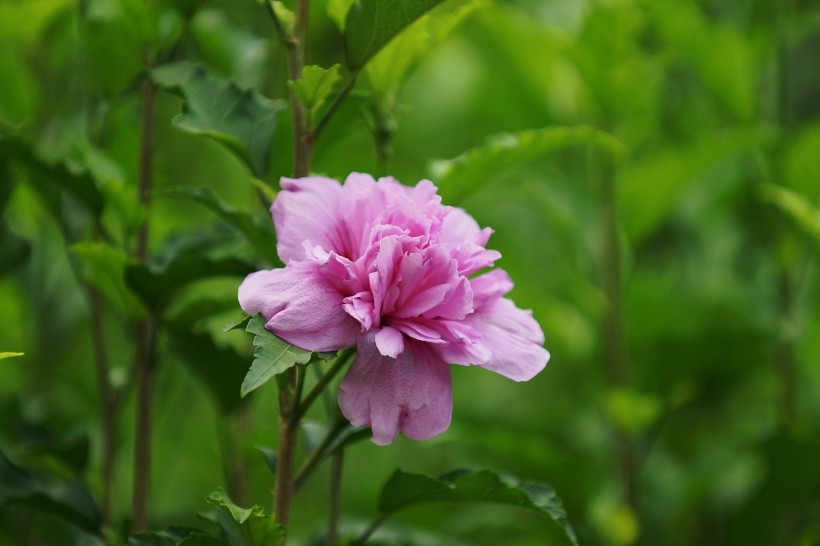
390,270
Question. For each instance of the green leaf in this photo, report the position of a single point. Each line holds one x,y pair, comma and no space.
175,536
337,11
371,24
315,86
67,500
390,66
244,526
240,119
219,368
632,411
461,175
271,356
796,207
259,234
103,267
157,285
48,175
9,355
405,490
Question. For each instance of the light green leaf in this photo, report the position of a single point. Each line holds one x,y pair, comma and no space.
240,119
103,267
371,24
337,11
390,66
271,356
315,86
461,175
244,526
405,490
797,207
9,355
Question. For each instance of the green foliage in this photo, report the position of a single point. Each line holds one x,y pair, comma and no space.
476,167
271,356
316,86
244,526
104,267
7,354
371,24
405,490
70,501
238,118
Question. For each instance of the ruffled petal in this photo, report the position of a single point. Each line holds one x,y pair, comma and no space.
514,338
409,394
307,209
301,306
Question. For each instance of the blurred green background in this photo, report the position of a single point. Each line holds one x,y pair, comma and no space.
672,264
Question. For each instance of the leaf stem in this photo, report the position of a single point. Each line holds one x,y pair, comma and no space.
340,98
340,362
365,536
319,453
288,429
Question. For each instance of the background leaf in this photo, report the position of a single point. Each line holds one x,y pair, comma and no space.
371,24
238,118
405,490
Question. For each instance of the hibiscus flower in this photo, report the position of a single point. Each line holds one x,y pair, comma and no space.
389,270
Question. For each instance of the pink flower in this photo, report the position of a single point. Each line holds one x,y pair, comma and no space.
390,270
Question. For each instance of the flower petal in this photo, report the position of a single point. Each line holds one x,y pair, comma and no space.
301,306
409,394
514,338
307,209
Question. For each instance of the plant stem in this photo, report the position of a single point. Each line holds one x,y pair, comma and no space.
108,401
340,98
288,428
614,353
336,466
365,536
145,331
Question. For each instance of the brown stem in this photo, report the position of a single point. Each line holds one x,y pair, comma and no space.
288,428
145,331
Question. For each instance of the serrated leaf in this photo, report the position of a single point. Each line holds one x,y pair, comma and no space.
67,500
240,119
390,66
244,526
103,267
315,86
405,490
259,234
461,175
9,355
796,207
220,369
371,24
271,356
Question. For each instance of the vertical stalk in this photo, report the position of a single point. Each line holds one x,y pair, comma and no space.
108,402
145,331
615,359
288,391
